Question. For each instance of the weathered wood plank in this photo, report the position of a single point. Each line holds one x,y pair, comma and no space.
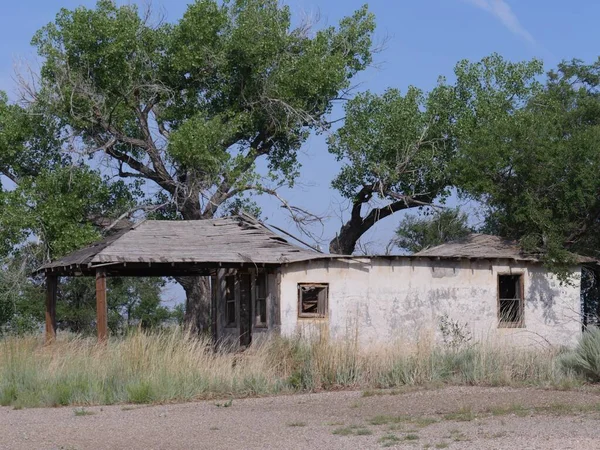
51,290
101,305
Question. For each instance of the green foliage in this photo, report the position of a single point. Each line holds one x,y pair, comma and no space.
57,206
584,360
28,142
529,152
399,145
187,109
132,302
226,84
418,233
21,299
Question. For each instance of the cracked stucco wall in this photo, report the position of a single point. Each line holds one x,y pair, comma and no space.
386,299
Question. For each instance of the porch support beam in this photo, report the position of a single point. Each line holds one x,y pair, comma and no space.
51,289
101,305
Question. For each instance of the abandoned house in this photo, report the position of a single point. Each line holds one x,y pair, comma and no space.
261,283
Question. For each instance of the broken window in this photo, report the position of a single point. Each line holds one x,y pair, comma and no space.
260,300
312,300
510,301
230,312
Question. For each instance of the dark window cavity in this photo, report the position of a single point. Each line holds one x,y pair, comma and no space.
260,300
313,300
510,300
230,301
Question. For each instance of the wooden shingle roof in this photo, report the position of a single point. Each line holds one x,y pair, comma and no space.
477,246
234,240
485,246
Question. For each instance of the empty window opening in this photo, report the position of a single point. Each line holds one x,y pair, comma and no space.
230,310
312,300
510,301
260,303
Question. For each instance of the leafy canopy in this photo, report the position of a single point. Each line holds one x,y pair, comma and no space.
418,233
529,152
191,106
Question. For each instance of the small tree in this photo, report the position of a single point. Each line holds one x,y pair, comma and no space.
418,233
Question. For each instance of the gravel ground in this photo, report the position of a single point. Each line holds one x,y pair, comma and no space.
452,417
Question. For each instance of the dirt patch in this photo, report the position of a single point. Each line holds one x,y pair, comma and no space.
451,417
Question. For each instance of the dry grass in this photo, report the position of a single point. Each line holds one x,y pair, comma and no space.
172,366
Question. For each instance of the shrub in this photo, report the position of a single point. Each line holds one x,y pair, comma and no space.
584,360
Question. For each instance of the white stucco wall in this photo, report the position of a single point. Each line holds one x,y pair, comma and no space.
383,299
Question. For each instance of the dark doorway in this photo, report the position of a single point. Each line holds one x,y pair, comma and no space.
245,309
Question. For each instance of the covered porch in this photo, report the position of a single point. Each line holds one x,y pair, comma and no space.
240,255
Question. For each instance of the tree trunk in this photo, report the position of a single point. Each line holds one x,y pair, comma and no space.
345,242
197,317
197,303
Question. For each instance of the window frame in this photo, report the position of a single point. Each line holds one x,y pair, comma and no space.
324,308
257,298
521,300
232,300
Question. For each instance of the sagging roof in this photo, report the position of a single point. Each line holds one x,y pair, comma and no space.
234,240
485,246
476,246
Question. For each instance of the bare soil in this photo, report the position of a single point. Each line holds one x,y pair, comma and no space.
450,417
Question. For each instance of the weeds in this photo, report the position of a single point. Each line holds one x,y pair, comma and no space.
346,431
173,366
296,424
585,359
79,412
226,404
388,440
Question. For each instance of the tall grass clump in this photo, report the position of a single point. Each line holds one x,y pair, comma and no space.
174,366
584,360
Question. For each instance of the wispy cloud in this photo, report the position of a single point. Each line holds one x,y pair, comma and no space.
503,12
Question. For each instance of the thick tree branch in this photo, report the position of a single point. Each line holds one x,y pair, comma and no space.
357,225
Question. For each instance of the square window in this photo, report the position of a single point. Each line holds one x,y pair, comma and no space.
260,303
510,301
230,309
313,300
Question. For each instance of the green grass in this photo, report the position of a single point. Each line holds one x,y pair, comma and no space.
463,415
83,412
388,440
346,431
363,432
296,424
171,366
417,421
227,404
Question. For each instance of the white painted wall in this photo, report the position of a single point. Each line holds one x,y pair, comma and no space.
384,300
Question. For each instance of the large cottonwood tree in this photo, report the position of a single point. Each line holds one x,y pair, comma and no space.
395,149
191,107
533,158
399,151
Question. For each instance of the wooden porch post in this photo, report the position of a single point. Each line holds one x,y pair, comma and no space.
51,288
101,305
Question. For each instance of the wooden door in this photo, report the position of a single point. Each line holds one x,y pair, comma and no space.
245,309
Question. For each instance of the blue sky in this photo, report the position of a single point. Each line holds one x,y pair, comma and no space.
425,38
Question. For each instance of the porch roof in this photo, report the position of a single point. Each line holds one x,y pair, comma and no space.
182,247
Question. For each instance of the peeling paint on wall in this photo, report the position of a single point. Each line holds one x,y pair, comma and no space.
383,300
